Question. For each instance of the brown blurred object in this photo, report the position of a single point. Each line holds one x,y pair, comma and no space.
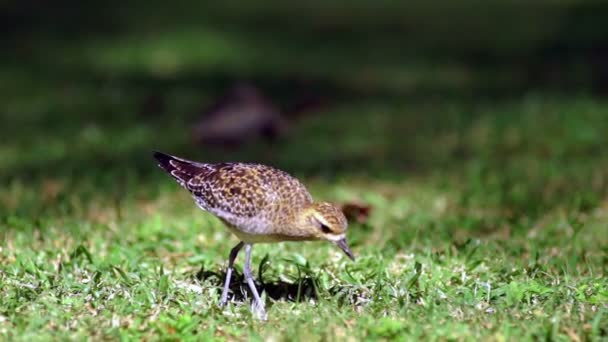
357,212
240,116
51,188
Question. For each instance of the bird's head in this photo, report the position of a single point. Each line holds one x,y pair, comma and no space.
325,221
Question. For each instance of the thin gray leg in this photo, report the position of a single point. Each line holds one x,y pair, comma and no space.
249,278
233,253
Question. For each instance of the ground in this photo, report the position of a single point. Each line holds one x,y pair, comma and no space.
488,213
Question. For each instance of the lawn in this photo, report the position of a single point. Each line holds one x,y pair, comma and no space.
488,213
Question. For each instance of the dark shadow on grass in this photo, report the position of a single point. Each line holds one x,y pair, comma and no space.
302,290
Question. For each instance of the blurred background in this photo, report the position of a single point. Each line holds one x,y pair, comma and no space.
504,96
466,140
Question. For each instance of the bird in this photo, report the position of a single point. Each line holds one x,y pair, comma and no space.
258,204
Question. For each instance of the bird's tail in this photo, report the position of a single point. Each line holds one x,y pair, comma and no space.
181,169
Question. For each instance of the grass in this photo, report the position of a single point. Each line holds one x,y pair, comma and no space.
488,214
504,243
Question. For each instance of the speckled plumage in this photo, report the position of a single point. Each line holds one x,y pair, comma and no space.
257,203
252,199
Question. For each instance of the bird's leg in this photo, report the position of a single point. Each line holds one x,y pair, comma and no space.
249,278
233,253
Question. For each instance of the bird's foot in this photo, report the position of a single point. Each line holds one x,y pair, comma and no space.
223,301
259,311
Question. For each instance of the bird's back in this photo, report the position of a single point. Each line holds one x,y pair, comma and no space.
249,197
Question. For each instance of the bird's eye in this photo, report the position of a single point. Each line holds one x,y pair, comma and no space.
325,228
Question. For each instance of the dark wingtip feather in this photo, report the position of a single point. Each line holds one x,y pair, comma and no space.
169,164
180,169
160,156
164,161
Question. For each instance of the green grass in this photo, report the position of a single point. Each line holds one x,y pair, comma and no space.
485,226
489,215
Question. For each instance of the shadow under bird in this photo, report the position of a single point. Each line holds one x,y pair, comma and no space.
258,204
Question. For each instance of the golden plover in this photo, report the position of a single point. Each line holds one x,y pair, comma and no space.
258,204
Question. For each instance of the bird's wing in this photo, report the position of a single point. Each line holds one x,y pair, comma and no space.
236,192
230,190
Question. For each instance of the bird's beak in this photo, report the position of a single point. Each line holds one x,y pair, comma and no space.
344,246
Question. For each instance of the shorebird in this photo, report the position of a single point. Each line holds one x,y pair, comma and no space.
258,204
